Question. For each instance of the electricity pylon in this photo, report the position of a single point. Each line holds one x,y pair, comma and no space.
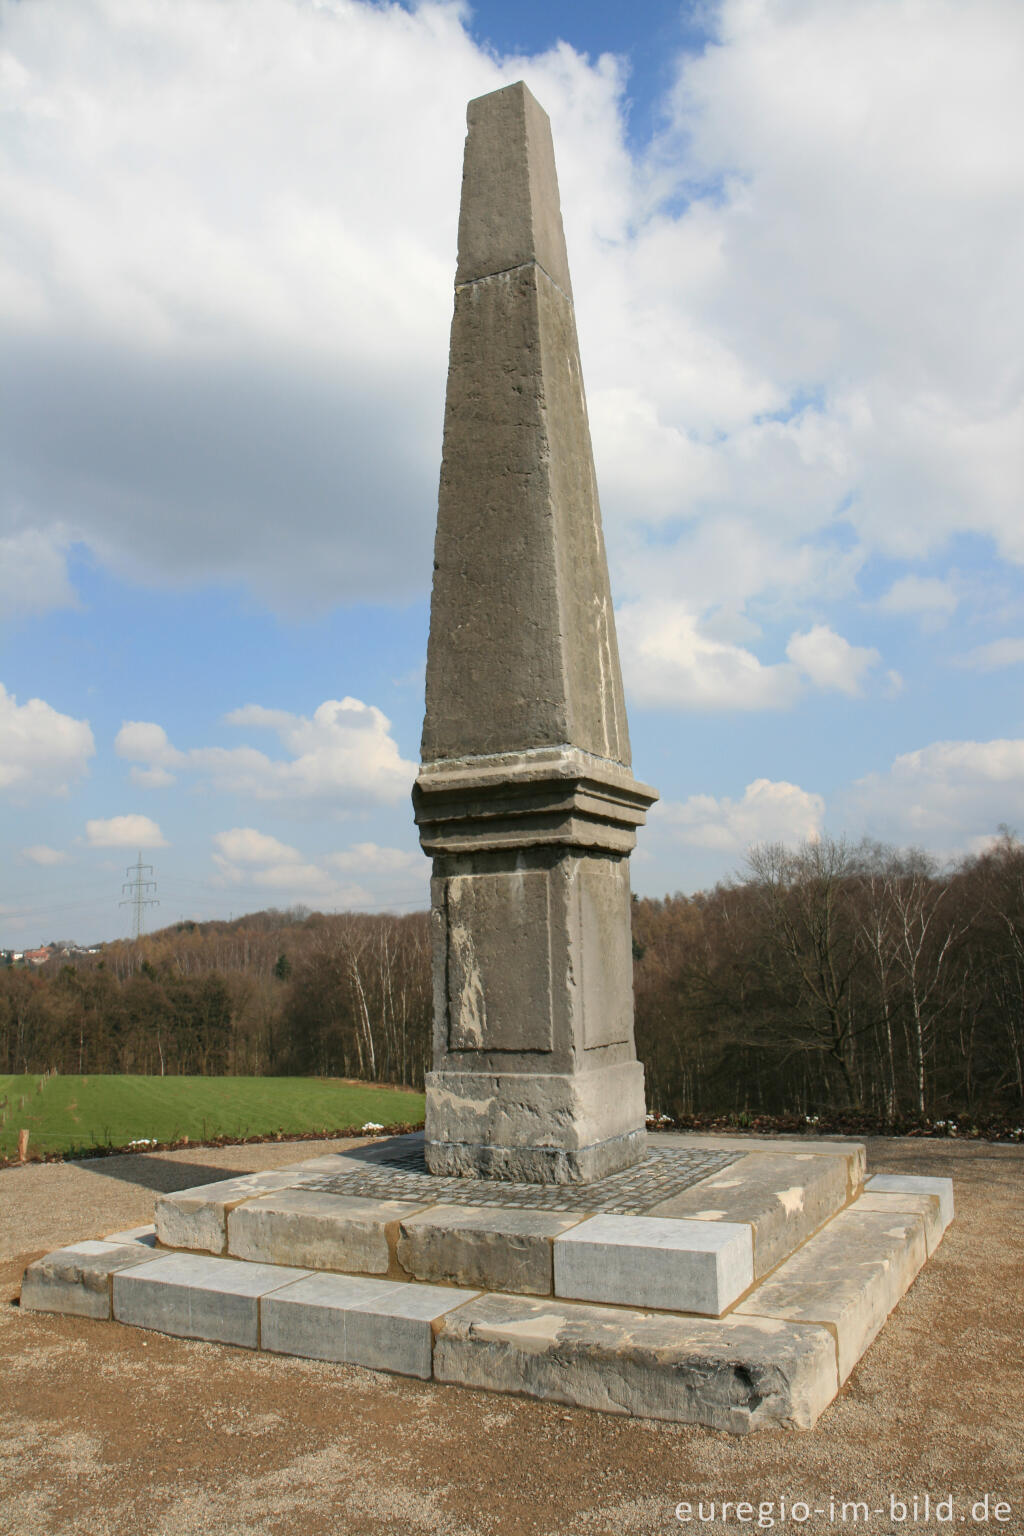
136,898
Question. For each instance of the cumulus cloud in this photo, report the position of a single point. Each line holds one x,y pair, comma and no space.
667,660
670,658
926,598
41,750
41,854
130,831
769,812
768,334
1008,652
946,796
344,753
371,858
142,742
829,661
33,572
249,860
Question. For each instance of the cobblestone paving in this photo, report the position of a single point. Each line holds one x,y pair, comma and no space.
401,1174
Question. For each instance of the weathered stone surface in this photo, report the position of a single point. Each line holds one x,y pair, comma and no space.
735,1375
927,1207
915,1184
644,1261
144,1235
196,1297
382,1324
76,1279
784,1199
196,1218
510,214
525,799
849,1277
483,1246
854,1153
545,1128
318,1230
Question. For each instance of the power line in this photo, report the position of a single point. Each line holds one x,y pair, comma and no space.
137,898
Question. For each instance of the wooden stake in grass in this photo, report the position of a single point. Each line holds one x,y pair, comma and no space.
23,1146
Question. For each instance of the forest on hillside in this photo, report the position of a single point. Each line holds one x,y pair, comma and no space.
826,979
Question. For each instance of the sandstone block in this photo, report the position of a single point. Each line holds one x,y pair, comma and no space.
784,1198
735,1375
76,1279
382,1324
854,1153
915,1184
483,1246
849,1277
144,1235
318,1230
196,1297
646,1261
196,1218
925,1206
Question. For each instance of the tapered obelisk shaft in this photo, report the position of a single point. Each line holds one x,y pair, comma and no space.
525,798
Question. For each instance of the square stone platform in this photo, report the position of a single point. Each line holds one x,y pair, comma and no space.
733,1282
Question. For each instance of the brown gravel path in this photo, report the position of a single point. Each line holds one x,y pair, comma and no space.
109,1431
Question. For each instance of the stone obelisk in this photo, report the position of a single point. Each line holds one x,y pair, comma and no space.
525,799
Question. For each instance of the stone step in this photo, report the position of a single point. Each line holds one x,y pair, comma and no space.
778,1357
848,1278
694,1248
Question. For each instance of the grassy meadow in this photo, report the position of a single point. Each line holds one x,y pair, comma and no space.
68,1114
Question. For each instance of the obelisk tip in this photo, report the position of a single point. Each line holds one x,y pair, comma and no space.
510,212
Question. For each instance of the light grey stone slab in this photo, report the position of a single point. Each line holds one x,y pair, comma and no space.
646,1261
385,1325
144,1235
735,1375
318,1230
76,1279
495,1248
196,1218
854,1152
196,1297
925,1206
915,1184
849,1277
783,1198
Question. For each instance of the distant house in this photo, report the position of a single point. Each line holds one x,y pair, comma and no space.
37,956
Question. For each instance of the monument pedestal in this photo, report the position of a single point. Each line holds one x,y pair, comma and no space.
720,1281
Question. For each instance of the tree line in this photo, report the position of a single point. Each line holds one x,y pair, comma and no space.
827,978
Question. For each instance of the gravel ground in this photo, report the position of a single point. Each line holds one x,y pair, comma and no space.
106,1431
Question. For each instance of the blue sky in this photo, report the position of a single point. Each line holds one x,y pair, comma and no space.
227,244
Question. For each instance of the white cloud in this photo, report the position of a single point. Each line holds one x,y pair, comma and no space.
41,750
253,861
1008,652
244,845
33,573
345,753
830,661
40,853
140,741
667,661
131,831
370,857
925,597
768,334
944,796
769,812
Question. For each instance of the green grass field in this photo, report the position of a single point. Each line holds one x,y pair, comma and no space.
66,1114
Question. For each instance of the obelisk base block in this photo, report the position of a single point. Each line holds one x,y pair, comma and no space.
535,1128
